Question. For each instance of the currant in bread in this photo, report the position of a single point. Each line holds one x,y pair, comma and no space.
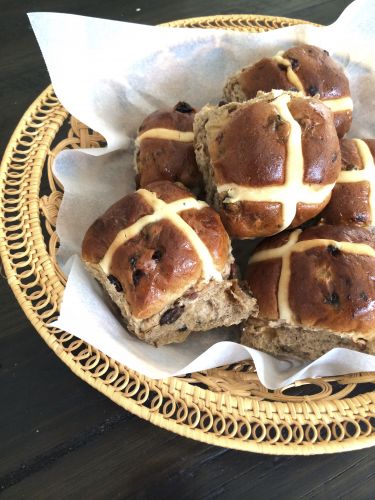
165,259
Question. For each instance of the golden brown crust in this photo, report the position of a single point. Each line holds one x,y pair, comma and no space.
246,146
170,119
103,231
169,191
160,263
247,219
209,227
306,211
332,290
273,242
320,147
338,233
162,159
266,295
350,158
151,269
250,148
343,121
264,75
348,204
371,144
316,70
328,287
350,201
165,159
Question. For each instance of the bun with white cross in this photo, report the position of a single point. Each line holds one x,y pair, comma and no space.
268,163
315,291
353,197
305,68
165,260
164,148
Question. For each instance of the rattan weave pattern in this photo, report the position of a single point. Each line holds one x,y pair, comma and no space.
226,406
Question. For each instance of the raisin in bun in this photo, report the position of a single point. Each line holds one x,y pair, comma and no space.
164,258
305,68
315,291
353,197
164,148
268,163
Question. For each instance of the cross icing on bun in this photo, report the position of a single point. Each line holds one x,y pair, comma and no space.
353,197
164,148
269,163
304,68
315,291
165,258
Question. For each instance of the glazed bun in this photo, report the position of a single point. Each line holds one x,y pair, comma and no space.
315,291
305,68
353,197
164,148
165,258
269,163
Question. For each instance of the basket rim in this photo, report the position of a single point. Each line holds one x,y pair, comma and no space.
236,17
351,444
199,393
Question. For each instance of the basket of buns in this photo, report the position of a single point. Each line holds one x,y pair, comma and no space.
269,164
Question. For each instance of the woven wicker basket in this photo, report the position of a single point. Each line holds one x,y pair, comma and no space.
226,406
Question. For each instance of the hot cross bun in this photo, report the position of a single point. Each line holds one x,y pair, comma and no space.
315,291
268,163
305,68
353,197
165,258
164,148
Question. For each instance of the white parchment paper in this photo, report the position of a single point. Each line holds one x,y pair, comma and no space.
110,75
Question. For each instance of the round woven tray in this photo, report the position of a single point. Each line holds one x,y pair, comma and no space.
226,406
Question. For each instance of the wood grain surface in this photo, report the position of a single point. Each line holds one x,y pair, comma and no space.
59,438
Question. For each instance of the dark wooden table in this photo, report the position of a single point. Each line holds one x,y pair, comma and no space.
61,439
